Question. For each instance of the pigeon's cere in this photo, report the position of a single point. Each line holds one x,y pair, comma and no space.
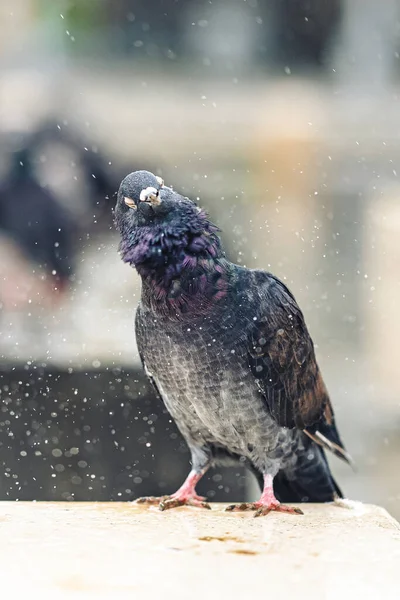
228,351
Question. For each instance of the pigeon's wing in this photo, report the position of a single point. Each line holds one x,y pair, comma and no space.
140,347
282,358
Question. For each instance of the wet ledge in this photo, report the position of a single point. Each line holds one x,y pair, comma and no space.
118,550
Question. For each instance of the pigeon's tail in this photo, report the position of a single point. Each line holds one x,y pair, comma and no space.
327,436
309,480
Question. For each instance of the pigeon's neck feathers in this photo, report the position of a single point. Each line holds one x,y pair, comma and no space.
183,269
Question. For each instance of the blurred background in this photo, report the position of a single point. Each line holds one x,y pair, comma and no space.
283,118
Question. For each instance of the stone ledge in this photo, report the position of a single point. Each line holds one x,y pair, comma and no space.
118,551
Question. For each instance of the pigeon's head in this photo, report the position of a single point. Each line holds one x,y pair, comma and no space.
138,199
144,200
156,223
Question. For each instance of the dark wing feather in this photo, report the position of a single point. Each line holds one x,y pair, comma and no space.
282,358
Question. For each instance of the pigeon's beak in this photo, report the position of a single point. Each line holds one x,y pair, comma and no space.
150,195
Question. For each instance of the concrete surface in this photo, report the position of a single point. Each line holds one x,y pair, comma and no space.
118,550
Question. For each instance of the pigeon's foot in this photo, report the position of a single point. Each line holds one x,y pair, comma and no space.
176,500
185,496
150,500
173,501
264,509
266,504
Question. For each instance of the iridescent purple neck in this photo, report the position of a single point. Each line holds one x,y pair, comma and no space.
194,289
183,272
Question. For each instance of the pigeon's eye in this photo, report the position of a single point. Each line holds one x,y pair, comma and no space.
131,203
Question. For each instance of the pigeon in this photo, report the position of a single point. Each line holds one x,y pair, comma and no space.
228,351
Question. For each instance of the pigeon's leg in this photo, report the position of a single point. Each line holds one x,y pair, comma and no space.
266,503
186,495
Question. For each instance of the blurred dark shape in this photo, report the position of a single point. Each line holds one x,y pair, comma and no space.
34,220
304,30
296,33
152,28
84,164
92,435
87,182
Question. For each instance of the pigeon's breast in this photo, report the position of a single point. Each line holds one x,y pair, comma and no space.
202,374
